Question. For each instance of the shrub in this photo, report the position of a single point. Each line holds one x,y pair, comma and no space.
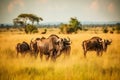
73,26
63,28
111,31
105,30
31,29
118,27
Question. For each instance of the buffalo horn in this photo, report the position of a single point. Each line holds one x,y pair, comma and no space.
110,40
68,39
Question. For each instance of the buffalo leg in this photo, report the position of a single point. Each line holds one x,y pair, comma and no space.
23,54
85,52
97,53
17,53
53,56
36,54
58,53
47,57
41,56
67,51
101,53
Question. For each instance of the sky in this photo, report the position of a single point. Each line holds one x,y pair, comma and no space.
61,10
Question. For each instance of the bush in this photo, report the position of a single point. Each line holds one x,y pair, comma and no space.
73,26
31,29
63,28
105,30
118,27
113,29
66,29
112,32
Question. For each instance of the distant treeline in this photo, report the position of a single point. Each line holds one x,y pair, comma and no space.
39,26
58,25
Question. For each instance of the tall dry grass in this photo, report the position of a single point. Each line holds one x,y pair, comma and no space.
76,67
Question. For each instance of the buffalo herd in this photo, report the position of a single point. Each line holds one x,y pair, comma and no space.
53,46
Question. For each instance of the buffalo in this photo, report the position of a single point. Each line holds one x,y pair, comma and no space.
66,47
106,43
22,48
95,44
50,46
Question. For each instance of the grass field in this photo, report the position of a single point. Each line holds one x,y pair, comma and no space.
76,67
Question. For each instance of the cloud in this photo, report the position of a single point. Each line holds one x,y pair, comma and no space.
10,7
94,5
111,7
15,3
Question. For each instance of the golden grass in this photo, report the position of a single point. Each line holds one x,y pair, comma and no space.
76,67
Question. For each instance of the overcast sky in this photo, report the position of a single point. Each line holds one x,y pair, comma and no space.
61,10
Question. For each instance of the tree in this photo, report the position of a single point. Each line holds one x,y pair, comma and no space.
73,26
17,21
24,18
32,17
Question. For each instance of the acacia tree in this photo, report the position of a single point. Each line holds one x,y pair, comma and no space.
31,17
23,18
17,21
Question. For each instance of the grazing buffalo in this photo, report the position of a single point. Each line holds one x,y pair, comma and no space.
95,44
50,46
22,48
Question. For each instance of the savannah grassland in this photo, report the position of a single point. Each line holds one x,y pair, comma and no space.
76,67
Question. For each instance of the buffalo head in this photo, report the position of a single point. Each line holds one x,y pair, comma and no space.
33,45
106,43
66,42
59,43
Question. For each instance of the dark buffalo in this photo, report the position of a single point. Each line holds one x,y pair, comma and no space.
66,47
95,44
22,48
106,43
50,46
